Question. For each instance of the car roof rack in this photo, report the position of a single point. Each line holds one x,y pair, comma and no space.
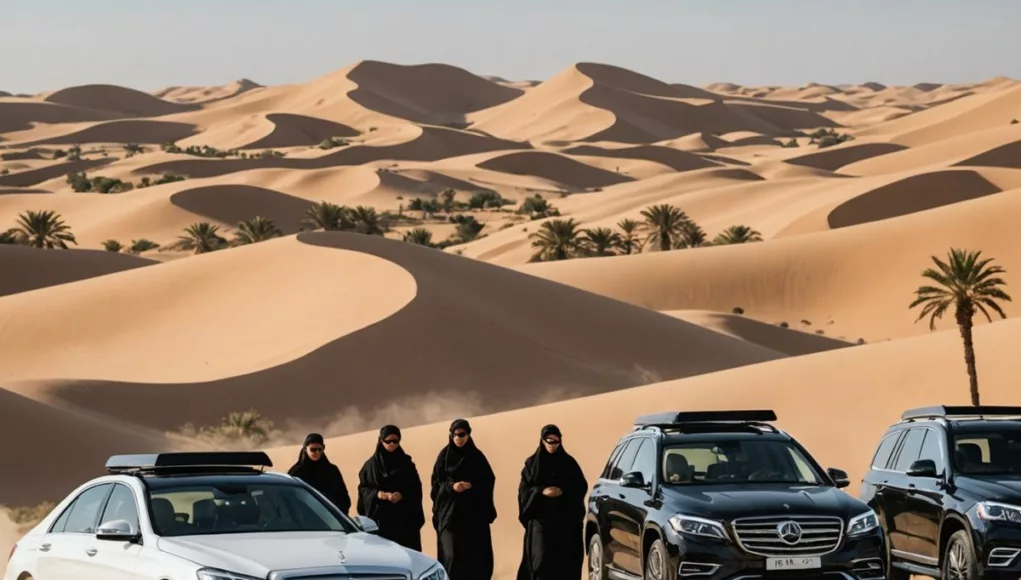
960,412
183,462
739,420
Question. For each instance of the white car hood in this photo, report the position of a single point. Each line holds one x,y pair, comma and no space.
258,554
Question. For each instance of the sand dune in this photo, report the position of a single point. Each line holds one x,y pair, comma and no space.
205,95
116,99
774,337
31,268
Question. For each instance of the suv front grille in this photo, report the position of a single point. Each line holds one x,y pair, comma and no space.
804,535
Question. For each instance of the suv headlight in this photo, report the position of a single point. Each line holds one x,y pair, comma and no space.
863,523
435,573
683,524
215,574
998,512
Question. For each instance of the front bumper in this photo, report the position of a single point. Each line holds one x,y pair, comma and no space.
698,558
998,548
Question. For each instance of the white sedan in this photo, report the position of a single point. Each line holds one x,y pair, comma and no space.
206,516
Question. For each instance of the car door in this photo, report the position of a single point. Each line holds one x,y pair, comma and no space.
71,536
633,507
617,552
923,500
899,517
116,559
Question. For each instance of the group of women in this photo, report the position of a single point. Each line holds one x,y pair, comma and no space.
551,501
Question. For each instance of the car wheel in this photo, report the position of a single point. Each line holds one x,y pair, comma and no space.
596,566
959,561
656,566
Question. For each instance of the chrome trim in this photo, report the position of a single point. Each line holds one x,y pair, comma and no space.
343,573
1000,554
824,535
917,558
707,569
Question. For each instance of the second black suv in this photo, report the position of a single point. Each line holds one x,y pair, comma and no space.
946,483
723,494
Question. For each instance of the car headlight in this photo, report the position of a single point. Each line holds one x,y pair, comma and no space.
435,573
863,523
683,524
216,574
998,512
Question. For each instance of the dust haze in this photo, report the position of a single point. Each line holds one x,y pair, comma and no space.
9,535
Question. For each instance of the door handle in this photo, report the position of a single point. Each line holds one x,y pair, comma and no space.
90,551
44,548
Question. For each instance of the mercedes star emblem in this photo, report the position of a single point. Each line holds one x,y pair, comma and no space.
789,532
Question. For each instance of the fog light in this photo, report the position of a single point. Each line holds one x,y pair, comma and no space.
694,569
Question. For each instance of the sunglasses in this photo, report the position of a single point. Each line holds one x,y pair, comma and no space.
553,441
391,441
460,434
315,449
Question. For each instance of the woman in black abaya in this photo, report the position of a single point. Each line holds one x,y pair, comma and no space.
463,507
390,491
315,469
551,507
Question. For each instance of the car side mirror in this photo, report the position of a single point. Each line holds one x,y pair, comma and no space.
117,531
367,524
922,468
839,477
633,479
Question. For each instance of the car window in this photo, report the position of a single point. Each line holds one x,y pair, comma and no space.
58,525
121,506
645,461
610,462
989,452
742,460
625,460
910,449
85,512
932,448
881,460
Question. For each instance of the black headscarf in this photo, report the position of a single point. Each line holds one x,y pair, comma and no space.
323,475
391,471
455,464
558,469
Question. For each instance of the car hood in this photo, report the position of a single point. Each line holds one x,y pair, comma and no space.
258,554
725,502
1001,488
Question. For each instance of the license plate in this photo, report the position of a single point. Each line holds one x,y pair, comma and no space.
793,563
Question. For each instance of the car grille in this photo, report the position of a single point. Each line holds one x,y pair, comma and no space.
809,536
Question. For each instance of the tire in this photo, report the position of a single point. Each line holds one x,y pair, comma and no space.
596,565
959,562
657,563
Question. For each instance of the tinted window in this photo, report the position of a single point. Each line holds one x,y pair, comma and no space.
882,457
85,511
188,509
626,458
744,460
121,506
993,452
931,448
645,461
910,449
611,460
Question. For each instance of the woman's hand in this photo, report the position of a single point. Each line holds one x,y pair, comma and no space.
552,492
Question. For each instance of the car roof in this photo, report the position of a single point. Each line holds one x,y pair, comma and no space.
724,434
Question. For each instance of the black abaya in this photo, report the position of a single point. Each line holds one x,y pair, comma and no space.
324,476
553,542
462,519
393,471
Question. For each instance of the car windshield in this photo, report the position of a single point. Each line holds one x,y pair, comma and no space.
732,461
988,452
192,509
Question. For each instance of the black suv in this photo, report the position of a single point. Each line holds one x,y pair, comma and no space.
946,483
723,494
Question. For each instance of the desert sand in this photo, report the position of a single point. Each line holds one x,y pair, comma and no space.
208,274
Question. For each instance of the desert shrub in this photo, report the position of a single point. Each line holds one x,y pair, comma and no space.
784,325
331,142
5,171
487,198
738,310
112,246
142,245
238,430
536,207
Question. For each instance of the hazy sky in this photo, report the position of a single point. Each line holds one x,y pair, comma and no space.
149,44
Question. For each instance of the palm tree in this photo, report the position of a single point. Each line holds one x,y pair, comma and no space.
665,224
600,241
9,237
42,229
327,216
246,425
112,246
629,241
142,245
965,283
739,234
368,221
692,236
420,236
257,229
202,237
557,239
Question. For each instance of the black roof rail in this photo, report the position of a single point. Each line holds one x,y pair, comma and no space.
952,412
703,419
179,462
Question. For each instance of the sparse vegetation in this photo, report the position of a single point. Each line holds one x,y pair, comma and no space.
201,238
966,283
257,229
112,246
739,234
238,430
828,137
40,229
142,245
737,310
332,142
